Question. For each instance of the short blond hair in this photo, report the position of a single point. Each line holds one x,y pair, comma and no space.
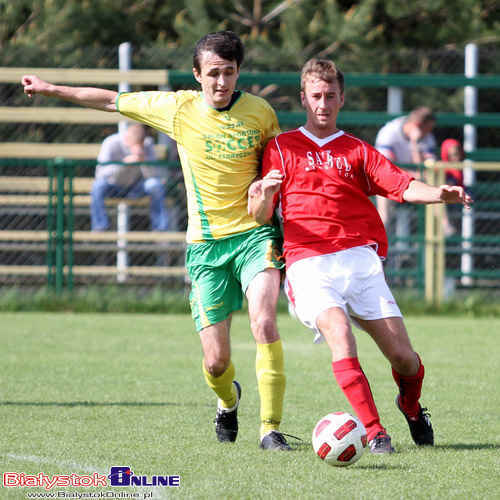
323,69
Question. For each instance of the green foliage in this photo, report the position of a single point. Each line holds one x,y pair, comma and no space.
96,299
434,23
74,23
363,36
473,304
197,18
297,29
113,299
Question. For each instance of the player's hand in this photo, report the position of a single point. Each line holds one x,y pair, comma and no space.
271,183
455,194
34,85
255,189
261,196
266,187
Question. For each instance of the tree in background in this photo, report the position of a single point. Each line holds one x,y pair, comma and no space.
366,36
297,29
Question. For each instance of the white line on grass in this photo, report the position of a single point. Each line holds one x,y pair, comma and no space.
59,463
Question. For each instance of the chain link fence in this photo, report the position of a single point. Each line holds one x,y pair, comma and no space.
450,61
45,237
84,261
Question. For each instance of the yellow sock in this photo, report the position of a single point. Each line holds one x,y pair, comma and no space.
269,367
223,385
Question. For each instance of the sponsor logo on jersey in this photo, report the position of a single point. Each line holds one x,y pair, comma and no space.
324,160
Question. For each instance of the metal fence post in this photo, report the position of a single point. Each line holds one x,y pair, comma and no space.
470,140
440,242
122,227
70,224
421,241
50,227
60,226
394,100
435,265
124,64
430,263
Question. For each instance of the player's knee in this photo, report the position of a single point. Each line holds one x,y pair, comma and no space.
217,365
404,361
264,329
339,332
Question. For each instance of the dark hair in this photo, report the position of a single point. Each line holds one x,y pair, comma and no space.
422,115
324,70
225,44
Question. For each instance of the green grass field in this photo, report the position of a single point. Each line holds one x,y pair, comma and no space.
80,393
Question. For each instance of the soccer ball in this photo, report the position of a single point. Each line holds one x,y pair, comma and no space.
339,439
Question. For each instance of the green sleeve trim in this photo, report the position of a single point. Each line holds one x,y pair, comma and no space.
116,101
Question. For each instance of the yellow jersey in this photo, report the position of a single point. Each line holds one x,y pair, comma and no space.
219,150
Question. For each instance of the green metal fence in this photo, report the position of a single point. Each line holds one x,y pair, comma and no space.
45,237
74,257
65,223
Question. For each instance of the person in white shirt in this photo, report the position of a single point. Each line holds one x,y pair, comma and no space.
405,140
115,179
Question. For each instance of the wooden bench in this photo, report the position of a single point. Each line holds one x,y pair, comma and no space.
91,236
39,186
88,241
34,191
69,151
143,271
94,241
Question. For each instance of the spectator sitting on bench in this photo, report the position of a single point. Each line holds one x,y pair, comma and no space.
116,180
405,140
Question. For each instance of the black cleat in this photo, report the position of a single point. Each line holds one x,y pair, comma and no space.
421,428
381,443
274,440
226,421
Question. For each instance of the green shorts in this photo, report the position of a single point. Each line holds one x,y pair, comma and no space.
221,270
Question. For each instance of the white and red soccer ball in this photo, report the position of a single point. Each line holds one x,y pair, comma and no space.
339,439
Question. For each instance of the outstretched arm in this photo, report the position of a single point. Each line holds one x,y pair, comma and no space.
419,192
261,196
88,97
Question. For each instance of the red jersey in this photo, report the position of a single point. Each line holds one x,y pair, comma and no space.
324,196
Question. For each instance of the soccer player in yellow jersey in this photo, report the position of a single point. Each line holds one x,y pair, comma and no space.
220,133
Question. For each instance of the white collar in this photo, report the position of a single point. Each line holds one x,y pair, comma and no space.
317,140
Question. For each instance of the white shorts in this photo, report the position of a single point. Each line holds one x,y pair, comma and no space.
351,279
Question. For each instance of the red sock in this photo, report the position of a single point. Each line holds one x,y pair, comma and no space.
356,388
410,387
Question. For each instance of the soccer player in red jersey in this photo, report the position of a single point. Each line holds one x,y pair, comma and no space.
334,242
